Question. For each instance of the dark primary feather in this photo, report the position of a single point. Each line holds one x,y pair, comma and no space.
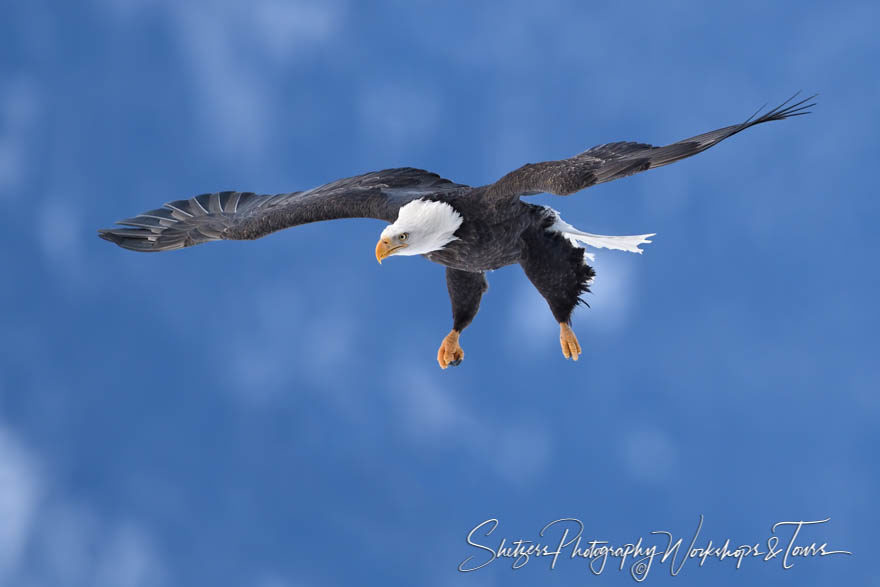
245,215
615,160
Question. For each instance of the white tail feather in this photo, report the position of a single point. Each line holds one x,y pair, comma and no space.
628,243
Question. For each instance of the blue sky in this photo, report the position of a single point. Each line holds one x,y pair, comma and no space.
270,413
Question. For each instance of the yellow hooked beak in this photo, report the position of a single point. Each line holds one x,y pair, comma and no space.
385,249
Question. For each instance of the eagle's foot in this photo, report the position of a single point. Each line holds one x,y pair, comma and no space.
571,348
450,352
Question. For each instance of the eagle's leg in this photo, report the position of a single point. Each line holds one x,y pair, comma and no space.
465,291
557,270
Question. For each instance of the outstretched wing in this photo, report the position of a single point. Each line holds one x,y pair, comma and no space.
615,160
246,216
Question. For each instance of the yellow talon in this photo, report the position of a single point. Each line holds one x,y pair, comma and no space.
571,348
450,352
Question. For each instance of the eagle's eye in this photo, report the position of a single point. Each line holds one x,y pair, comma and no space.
403,236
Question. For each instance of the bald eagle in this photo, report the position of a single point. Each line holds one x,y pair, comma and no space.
470,230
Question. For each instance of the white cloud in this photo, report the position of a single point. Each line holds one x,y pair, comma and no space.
127,559
19,106
75,547
430,414
259,363
273,580
648,454
21,486
126,10
612,291
532,326
233,71
282,329
285,26
60,235
234,99
514,37
398,115
46,539
12,164
513,135
63,550
519,451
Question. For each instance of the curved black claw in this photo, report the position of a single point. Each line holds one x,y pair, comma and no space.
455,363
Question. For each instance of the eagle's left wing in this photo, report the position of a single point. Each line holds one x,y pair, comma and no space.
247,216
615,160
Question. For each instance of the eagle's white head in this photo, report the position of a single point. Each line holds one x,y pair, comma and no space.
421,227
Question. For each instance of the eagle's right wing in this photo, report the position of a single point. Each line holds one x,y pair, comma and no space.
616,160
245,215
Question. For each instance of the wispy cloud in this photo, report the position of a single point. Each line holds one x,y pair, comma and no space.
613,289
648,453
397,116
271,580
282,327
128,559
125,10
19,108
430,414
531,325
21,488
46,539
283,26
232,72
60,235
